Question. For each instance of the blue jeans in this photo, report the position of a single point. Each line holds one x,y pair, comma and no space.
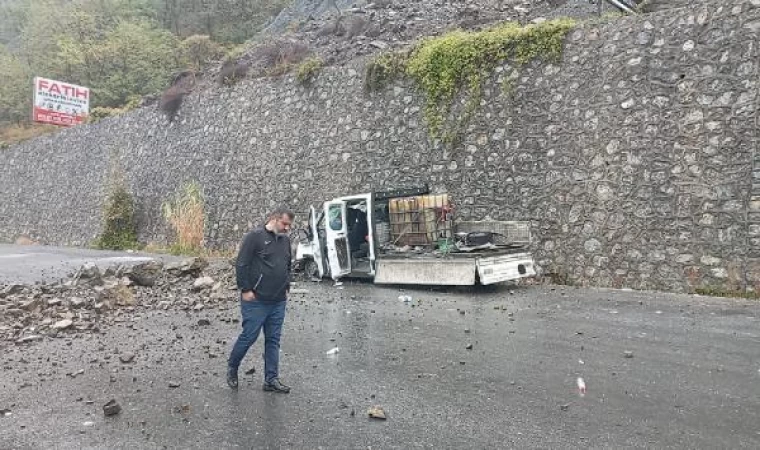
258,315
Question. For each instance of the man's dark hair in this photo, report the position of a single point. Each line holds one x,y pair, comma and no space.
279,212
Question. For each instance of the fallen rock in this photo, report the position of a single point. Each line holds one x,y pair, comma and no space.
145,274
116,295
174,384
26,339
192,267
376,412
11,290
628,354
204,322
111,408
29,305
62,324
127,358
203,283
90,274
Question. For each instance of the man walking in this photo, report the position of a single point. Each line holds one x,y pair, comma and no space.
263,278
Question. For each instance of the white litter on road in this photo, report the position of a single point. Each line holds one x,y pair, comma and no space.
581,387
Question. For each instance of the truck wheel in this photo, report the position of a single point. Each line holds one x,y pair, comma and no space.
310,269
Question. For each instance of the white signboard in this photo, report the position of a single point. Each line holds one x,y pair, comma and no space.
59,103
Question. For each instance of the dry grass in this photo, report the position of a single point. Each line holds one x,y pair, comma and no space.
279,56
13,134
186,215
232,71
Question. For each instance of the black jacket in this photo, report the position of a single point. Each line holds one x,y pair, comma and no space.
263,265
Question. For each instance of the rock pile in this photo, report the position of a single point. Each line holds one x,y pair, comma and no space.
91,299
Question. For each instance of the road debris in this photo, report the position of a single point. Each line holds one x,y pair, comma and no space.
333,351
581,387
377,412
111,408
182,409
628,354
76,374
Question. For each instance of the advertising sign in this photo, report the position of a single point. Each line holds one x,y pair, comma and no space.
60,103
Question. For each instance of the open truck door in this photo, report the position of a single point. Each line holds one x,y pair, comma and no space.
316,247
336,230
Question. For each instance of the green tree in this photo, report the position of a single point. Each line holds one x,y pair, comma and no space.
16,88
134,59
121,49
198,51
12,18
228,21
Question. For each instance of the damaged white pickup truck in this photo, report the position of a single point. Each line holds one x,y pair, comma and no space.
407,236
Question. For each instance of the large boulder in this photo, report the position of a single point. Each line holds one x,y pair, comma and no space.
145,274
192,267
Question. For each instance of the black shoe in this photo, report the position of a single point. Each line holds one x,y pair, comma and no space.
232,377
276,386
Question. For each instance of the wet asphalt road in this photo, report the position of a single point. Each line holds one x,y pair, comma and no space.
30,264
693,380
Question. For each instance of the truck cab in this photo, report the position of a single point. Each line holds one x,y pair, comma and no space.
339,240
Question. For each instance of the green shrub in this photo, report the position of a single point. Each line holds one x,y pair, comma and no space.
119,226
443,66
308,70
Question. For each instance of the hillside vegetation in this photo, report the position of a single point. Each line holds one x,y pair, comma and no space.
121,49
